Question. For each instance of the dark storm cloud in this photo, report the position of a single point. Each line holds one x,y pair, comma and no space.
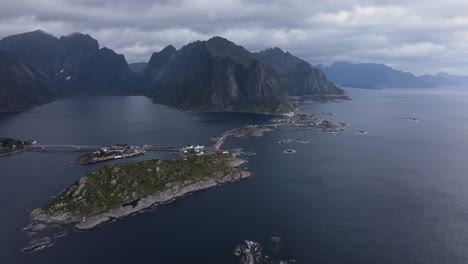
416,36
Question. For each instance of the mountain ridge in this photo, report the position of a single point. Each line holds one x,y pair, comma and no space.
22,86
215,74
298,77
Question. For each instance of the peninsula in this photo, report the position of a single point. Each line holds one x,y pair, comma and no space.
11,146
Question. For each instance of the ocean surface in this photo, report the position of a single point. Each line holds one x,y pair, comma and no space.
398,194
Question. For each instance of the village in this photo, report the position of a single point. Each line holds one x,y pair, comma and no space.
118,151
200,150
121,151
309,121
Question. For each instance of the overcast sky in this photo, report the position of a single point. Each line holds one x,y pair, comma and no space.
417,36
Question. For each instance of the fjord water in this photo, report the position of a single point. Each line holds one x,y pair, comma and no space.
398,194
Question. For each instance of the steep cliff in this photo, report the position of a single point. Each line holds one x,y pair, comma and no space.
215,75
298,76
74,64
22,86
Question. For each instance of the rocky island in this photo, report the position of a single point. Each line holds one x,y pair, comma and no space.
109,153
270,251
117,191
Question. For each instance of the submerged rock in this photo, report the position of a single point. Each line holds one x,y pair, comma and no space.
39,244
412,119
290,140
271,251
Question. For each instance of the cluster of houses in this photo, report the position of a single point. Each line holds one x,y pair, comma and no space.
198,149
318,122
124,150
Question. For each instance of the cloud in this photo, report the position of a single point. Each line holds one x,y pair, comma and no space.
422,37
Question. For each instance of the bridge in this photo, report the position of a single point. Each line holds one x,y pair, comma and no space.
62,147
276,125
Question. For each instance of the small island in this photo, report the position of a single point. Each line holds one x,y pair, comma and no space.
10,146
117,191
109,153
271,251
308,121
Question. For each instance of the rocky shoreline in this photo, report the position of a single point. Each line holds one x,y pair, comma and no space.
43,223
267,251
107,158
178,190
253,131
10,153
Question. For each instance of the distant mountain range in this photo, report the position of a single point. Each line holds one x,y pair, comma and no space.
442,78
36,67
376,76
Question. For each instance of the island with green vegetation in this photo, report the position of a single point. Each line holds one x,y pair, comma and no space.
10,145
109,153
117,191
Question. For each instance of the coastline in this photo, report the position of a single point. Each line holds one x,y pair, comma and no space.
171,194
123,156
11,153
43,224
293,99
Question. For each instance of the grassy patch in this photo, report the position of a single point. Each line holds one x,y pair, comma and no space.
10,145
111,186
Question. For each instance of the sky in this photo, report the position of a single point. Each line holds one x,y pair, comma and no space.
416,36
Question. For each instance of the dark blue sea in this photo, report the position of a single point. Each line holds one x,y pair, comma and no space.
398,194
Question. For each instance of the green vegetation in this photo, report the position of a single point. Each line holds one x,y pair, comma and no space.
251,130
9,145
112,186
88,157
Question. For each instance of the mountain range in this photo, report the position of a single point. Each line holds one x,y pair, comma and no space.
73,64
216,74
376,76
